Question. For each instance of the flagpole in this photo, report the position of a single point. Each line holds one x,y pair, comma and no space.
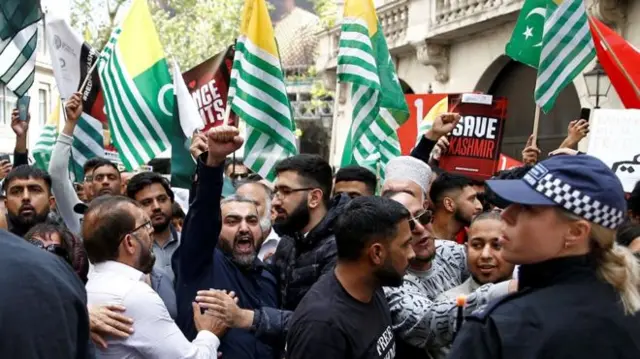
615,57
536,123
86,79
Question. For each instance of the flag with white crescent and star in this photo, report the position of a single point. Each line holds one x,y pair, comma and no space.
525,44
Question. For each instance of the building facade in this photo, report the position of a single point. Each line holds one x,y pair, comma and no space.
456,46
43,93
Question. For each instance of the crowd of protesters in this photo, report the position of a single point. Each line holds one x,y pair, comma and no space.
535,263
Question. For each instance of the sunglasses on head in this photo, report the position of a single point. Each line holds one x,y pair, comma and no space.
424,218
52,248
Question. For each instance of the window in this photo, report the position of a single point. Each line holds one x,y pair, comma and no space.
41,45
43,108
8,102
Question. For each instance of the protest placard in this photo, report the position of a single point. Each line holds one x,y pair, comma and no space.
613,138
208,84
474,145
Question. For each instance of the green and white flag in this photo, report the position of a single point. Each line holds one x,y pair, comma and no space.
186,121
137,89
47,140
526,41
567,48
379,105
88,142
18,41
257,93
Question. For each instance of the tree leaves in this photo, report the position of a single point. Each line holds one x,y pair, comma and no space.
191,31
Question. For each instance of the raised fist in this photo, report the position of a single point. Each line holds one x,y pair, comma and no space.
222,141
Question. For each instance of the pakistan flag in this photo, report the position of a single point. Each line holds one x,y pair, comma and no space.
526,42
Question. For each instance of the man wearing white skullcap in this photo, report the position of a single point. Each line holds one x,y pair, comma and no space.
408,174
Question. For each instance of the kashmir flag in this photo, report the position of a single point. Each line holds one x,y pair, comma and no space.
18,41
526,41
567,48
379,105
257,93
88,142
137,88
186,121
47,141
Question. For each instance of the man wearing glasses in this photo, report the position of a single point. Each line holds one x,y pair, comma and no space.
118,237
419,321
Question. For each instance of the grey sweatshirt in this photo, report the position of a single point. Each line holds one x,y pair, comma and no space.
66,196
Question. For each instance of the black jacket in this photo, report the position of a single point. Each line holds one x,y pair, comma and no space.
562,310
297,264
299,261
202,265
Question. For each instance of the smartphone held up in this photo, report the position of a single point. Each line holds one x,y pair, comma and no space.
23,107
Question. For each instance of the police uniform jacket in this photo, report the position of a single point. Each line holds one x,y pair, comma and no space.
561,310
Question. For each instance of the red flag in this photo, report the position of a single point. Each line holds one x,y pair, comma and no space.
620,60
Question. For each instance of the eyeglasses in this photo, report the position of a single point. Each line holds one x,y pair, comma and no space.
282,192
424,218
147,225
52,248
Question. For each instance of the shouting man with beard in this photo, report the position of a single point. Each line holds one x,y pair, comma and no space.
154,194
219,248
28,198
456,204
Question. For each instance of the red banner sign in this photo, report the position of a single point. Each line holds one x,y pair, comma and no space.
208,84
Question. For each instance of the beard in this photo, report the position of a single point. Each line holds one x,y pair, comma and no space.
459,217
294,222
388,276
162,226
243,260
20,224
146,260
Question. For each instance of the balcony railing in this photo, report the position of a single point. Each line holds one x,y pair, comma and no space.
457,15
312,110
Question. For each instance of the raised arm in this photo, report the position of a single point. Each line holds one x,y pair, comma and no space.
442,125
20,128
66,196
202,225
424,323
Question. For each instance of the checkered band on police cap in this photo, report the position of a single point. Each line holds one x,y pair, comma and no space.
579,203
582,185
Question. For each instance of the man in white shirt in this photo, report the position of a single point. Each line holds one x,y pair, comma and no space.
118,238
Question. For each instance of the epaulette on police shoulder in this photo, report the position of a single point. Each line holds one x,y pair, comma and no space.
483,312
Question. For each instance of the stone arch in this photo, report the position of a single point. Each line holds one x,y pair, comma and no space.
516,81
406,89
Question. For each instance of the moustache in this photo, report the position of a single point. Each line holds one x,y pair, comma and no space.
26,207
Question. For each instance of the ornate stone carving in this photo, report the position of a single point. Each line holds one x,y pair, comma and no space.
436,56
611,12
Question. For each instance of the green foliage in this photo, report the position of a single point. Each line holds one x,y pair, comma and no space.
326,11
191,31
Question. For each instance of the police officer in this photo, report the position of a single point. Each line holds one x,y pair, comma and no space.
578,290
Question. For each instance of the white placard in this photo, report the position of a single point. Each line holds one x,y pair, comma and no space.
614,138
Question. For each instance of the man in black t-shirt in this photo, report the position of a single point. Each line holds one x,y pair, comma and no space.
345,314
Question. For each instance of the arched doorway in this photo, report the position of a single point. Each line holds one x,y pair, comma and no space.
406,89
517,82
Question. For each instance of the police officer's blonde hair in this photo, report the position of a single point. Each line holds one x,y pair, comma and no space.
615,264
